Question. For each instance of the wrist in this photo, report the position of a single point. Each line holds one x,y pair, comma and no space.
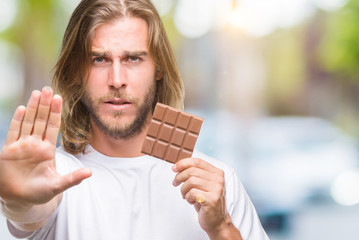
225,231
13,209
29,217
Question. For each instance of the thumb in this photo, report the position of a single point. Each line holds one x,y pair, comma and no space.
197,206
71,179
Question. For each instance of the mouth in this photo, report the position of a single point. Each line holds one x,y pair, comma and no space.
117,101
118,104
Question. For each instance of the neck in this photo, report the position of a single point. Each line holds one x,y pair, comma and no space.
124,148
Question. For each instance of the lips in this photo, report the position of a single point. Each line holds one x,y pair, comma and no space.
117,101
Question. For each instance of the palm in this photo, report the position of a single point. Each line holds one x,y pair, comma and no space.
27,161
29,170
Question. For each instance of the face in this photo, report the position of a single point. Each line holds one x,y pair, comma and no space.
120,91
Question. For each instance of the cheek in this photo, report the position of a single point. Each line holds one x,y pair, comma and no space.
142,80
144,87
95,75
96,81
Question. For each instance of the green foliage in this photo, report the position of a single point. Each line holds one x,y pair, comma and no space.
285,58
36,35
35,29
286,70
339,52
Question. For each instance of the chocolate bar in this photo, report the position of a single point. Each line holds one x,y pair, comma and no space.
172,134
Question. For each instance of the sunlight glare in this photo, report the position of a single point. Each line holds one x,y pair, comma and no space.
8,10
163,6
345,188
194,18
330,5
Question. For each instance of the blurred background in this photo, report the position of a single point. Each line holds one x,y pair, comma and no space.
277,82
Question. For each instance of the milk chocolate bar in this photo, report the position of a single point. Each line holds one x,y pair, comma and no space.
172,134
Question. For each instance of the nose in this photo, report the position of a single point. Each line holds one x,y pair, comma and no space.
117,77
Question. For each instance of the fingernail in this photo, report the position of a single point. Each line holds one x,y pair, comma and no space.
57,96
47,88
174,183
21,107
36,92
174,168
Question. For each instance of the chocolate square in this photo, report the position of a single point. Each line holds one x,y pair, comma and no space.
172,134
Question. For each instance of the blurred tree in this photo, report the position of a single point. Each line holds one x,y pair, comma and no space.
339,51
339,56
286,71
37,33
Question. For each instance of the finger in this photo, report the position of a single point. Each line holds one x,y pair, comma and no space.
195,182
53,124
192,172
193,162
196,196
42,112
31,108
197,206
200,198
71,179
15,125
214,187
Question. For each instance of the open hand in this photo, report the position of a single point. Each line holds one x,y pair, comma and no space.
28,173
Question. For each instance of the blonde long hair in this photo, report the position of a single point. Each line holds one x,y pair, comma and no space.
72,69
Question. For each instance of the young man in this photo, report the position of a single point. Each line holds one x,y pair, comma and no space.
116,64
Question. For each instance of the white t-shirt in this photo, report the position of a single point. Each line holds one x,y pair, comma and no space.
134,199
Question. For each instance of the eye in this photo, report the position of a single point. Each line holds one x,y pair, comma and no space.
133,59
98,60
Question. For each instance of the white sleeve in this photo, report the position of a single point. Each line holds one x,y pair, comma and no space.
16,232
241,209
45,232
63,165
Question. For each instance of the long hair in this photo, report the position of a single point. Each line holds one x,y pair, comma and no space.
72,69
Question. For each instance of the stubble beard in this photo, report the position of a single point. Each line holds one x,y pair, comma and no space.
115,128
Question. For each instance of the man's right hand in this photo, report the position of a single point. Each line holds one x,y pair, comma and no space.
28,177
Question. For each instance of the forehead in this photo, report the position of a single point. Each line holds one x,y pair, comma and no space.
125,33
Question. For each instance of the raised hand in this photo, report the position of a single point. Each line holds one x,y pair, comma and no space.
28,173
204,187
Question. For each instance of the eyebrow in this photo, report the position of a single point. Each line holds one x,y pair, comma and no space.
126,53
100,53
136,53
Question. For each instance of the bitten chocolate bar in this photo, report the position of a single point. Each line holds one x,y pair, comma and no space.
172,134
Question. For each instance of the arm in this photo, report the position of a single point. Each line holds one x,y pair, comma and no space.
204,187
31,189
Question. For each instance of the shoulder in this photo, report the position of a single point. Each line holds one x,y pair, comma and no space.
232,179
215,162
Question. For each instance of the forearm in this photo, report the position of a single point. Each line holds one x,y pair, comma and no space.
29,218
227,231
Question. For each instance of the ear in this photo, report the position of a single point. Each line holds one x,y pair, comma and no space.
158,75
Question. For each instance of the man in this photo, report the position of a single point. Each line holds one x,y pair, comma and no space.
115,64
